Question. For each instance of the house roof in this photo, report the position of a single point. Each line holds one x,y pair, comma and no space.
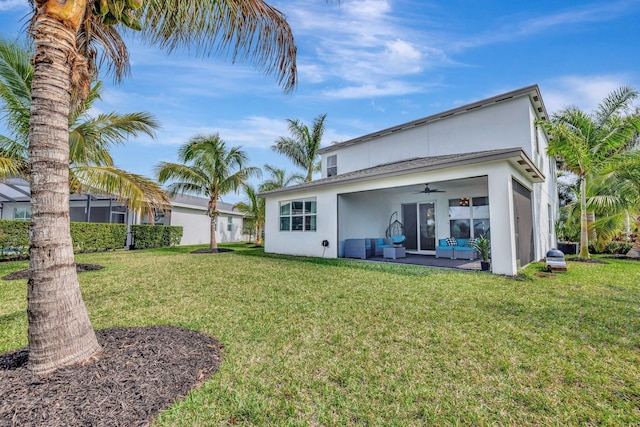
17,190
422,164
533,92
187,201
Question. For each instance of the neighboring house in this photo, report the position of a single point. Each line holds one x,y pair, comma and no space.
190,212
487,158
186,211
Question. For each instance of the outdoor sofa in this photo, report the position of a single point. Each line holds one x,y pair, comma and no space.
456,249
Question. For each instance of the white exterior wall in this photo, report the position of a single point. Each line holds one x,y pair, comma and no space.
505,125
196,226
304,243
363,211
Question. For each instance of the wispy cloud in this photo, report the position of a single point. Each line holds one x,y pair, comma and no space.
584,92
6,5
583,14
361,47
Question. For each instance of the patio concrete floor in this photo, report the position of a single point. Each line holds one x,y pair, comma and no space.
432,261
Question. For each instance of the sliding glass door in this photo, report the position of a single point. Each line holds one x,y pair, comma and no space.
419,220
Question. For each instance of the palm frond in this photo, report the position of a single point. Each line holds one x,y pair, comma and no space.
138,192
248,30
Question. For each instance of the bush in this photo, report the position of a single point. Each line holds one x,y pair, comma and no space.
94,237
86,237
613,247
155,236
14,238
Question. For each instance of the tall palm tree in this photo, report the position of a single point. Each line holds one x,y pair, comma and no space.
584,142
90,138
253,209
209,169
69,37
303,145
279,178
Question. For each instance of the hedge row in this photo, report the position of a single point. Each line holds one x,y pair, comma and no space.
89,237
155,236
613,247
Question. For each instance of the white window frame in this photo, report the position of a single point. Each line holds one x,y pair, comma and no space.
23,213
306,215
332,165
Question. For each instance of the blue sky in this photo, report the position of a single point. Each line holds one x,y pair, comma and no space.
372,64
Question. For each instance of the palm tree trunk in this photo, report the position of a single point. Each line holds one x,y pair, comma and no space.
634,252
258,234
213,244
584,230
60,332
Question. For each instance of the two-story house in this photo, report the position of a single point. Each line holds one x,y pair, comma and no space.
479,169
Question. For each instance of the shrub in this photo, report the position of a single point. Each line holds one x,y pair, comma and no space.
86,237
155,236
613,247
14,238
94,237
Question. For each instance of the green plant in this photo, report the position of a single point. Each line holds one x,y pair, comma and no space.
483,245
155,236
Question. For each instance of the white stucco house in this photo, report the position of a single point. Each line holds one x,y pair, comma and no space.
487,159
187,211
190,213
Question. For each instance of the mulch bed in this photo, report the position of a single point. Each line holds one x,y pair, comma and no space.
211,251
80,268
140,372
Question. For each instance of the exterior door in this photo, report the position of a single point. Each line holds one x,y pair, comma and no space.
419,221
523,218
427,226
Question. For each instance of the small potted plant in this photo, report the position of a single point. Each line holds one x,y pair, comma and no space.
483,246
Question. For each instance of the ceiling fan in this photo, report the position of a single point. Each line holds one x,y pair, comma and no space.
428,190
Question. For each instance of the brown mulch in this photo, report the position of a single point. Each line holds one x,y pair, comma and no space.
211,251
24,274
140,372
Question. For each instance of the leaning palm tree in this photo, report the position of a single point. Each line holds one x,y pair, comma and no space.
584,142
90,137
303,145
253,209
70,38
208,169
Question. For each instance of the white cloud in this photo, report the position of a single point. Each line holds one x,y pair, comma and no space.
585,92
388,88
13,5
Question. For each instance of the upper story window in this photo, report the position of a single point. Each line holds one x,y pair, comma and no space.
332,165
298,215
22,213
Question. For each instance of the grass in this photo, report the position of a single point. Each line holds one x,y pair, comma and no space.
338,342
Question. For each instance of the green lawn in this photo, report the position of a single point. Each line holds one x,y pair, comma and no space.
336,342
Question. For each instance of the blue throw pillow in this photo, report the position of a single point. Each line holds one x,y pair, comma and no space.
451,241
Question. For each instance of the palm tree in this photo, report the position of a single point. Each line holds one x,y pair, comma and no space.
302,147
90,138
213,172
584,142
279,178
253,209
70,37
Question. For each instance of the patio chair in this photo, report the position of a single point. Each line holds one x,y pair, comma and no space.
358,248
379,244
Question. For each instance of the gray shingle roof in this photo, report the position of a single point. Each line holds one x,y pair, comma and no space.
416,165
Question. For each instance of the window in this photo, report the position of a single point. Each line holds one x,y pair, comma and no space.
229,223
465,212
332,165
22,213
298,215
